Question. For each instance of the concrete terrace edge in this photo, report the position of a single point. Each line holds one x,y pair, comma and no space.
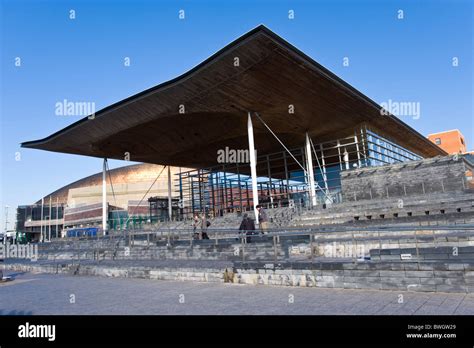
401,276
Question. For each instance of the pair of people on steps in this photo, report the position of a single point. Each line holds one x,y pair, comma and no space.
200,225
247,225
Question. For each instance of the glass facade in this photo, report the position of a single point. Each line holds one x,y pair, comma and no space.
228,187
382,151
32,220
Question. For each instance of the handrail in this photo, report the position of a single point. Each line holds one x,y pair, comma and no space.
216,235
282,232
383,238
299,230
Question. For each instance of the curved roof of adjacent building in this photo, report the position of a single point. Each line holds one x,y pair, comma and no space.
123,175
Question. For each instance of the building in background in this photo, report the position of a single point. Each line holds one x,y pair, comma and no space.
450,141
40,219
76,209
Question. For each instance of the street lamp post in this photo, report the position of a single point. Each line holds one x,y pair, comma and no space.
6,225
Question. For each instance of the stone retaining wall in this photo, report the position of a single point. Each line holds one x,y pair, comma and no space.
401,276
181,274
427,176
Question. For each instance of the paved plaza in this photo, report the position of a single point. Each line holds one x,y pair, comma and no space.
42,294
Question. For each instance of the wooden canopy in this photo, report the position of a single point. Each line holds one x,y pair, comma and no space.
258,72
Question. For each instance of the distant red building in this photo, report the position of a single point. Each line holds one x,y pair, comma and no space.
450,141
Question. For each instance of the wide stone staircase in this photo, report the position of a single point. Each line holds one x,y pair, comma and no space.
416,210
373,243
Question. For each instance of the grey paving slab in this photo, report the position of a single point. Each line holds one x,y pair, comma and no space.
52,294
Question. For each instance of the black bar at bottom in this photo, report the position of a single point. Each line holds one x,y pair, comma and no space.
381,331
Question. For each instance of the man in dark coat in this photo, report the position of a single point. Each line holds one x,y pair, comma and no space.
262,219
247,226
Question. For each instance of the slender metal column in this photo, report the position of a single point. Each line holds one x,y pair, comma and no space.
57,217
339,153
287,178
222,194
170,207
191,188
181,198
248,195
253,166
211,180
104,197
225,194
231,189
42,206
346,158
200,190
357,150
270,191
364,150
324,173
150,212
309,167
240,188
49,227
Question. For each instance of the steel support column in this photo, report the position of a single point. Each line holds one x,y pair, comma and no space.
104,197
324,173
57,217
310,172
42,207
49,225
253,165
170,202
357,150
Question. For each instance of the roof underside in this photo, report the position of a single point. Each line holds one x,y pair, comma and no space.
216,96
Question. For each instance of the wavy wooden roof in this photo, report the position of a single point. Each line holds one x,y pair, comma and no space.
216,94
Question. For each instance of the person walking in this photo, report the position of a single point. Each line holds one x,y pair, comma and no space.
204,225
262,219
196,224
247,227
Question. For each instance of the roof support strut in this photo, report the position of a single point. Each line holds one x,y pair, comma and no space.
170,202
104,197
253,165
322,169
316,185
310,171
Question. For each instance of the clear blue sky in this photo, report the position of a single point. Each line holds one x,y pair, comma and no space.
82,60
